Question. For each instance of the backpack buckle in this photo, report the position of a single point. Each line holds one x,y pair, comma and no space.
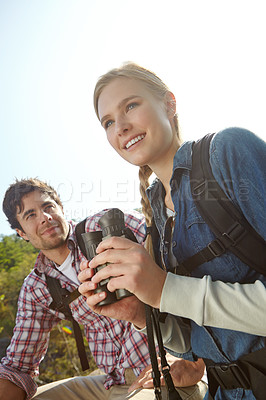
228,376
216,248
200,188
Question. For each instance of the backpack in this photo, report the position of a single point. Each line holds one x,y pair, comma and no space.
233,233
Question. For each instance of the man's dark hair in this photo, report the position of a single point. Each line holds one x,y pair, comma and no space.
12,203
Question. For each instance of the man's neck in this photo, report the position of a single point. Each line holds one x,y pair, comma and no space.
58,255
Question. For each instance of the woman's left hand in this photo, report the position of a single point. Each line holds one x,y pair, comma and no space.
129,267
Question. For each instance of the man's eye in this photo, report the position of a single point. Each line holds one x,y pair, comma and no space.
30,216
47,208
108,123
130,106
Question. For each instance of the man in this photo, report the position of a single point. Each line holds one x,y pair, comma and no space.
35,211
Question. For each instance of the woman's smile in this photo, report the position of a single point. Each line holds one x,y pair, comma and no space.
133,141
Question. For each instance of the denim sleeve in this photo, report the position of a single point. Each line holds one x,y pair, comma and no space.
238,162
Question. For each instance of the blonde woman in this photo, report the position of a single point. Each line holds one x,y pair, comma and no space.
224,297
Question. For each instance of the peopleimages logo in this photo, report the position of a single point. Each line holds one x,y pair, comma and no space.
81,199
100,191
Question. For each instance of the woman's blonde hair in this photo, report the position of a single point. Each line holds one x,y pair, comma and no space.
159,89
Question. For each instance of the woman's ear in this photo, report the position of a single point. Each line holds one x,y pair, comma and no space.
170,102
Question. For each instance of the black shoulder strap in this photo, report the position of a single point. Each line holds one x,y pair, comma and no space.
231,228
153,317
79,229
61,300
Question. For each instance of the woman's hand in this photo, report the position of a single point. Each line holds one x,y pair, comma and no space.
129,309
184,373
129,267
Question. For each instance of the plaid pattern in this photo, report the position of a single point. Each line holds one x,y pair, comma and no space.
115,344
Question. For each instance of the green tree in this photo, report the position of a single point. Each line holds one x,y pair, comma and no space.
17,258
14,251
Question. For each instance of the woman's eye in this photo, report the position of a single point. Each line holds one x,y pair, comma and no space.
108,124
131,105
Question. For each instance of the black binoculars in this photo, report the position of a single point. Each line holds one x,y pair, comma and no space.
112,224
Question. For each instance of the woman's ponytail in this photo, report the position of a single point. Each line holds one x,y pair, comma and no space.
144,174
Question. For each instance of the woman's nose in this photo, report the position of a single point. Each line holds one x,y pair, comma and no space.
122,126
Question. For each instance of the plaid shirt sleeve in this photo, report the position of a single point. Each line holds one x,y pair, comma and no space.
30,336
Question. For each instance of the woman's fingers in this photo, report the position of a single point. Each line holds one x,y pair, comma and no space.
86,274
115,250
115,242
127,265
84,265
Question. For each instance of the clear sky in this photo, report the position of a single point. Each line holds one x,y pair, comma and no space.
210,53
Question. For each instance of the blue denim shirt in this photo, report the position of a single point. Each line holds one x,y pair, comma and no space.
237,159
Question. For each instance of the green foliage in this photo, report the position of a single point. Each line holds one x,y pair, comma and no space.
17,258
14,251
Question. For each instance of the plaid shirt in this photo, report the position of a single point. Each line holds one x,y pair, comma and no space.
115,344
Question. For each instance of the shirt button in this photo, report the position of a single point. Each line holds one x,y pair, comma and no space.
174,243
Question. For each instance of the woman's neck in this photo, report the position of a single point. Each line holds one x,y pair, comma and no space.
168,200
163,170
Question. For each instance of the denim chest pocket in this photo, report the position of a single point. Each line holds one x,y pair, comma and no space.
227,267
198,230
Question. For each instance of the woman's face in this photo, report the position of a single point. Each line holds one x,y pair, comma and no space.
139,126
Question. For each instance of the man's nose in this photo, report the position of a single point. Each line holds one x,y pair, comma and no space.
45,217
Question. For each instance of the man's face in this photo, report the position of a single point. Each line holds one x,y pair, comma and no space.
42,221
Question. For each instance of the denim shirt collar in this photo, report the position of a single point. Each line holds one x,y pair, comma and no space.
183,157
156,192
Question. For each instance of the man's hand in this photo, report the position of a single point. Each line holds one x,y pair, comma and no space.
184,373
10,391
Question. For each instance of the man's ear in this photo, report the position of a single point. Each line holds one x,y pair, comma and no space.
22,234
170,102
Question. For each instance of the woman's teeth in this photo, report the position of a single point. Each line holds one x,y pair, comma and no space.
135,140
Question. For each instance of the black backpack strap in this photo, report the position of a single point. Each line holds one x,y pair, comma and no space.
79,229
232,230
152,325
61,300
156,376
153,318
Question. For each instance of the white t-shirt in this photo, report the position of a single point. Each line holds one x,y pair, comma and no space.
67,269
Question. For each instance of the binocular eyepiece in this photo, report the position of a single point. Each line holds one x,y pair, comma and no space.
112,224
